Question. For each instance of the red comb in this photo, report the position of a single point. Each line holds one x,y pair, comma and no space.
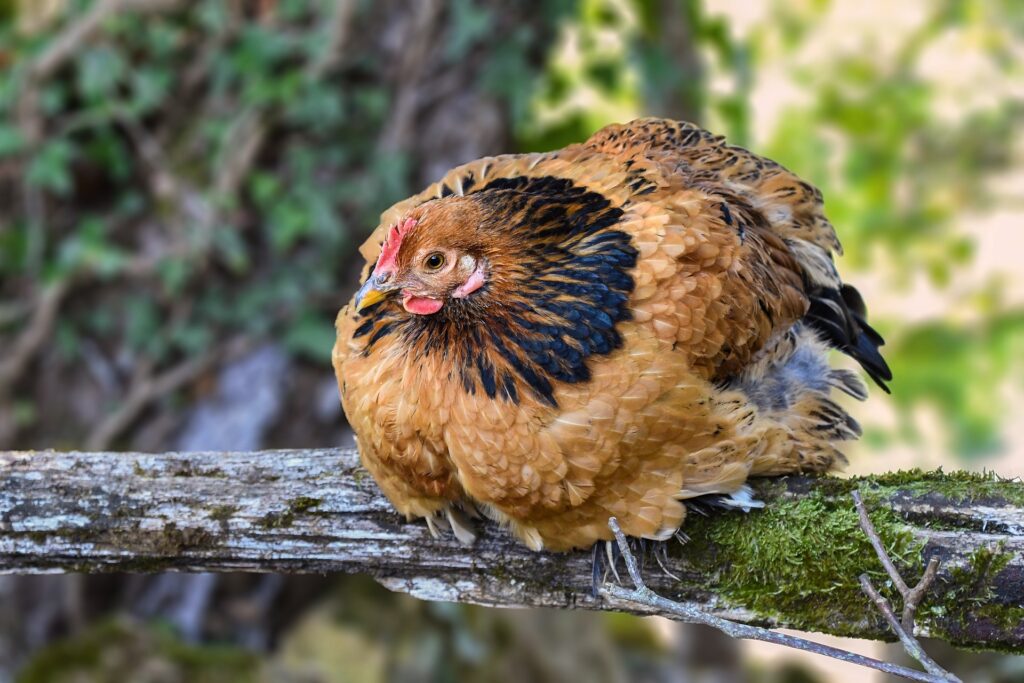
392,243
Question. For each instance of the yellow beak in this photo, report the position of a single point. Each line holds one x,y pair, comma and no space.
370,293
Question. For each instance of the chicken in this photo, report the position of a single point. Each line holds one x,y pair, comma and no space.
609,329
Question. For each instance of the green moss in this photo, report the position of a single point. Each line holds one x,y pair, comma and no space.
957,486
969,596
801,558
185,468
968,611
166,542
277,520
222,513
303,503
172,540
285,518
157,544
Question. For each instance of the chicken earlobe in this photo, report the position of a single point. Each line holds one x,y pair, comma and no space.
474,282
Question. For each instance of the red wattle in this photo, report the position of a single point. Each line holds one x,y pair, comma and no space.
421,305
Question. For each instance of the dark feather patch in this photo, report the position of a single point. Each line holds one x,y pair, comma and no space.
840,317
573,286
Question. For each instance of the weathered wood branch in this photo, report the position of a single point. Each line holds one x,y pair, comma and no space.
793,564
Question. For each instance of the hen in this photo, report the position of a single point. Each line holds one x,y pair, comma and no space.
609,329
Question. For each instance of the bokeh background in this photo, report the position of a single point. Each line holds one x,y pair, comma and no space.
183,186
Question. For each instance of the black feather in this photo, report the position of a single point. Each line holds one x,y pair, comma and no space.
840,316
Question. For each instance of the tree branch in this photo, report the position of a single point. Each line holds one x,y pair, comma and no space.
319,511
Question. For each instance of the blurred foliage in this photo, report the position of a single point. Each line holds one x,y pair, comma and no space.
115,651
109,204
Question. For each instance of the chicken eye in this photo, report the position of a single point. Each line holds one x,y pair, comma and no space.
434,261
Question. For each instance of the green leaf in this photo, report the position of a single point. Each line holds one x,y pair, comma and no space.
265,188
317,107
468,24
149,87
232,249
100,69
88,249
11,140
142,325
289,221
191,338
13,249
49,168
174,274
67,339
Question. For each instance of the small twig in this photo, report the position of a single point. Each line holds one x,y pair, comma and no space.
910,643
911,596
162,183
643,595
904,629
876,543
69,41
406,102
338,29
147,389
917,593
31,338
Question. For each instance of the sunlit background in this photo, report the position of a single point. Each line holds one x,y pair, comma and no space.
183,186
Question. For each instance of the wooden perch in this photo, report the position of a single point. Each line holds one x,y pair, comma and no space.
795,564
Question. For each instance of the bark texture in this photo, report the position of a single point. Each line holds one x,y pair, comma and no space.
793,564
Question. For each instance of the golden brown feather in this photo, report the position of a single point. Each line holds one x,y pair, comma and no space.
607,329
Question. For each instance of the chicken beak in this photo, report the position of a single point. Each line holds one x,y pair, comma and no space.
373,291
